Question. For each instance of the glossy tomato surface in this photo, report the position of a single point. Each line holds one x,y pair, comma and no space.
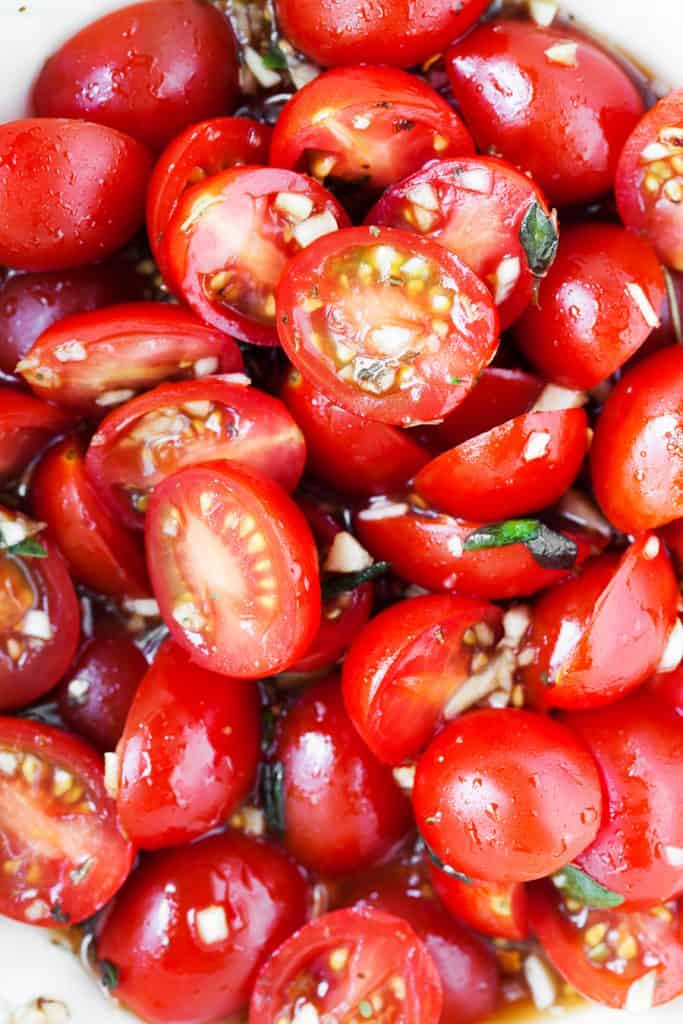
498,909
27,424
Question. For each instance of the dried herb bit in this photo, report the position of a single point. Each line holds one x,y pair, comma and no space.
272,788
109,974
59,915
342,582
404,125
539,239
446,868
29,548
579,886
274,59
550,549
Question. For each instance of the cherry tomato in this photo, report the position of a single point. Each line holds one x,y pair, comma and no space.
507,796
344,965
548,101
638,746
649,180
340,808
234,569
603,633
498,909
95,696
27,424
669,688
99,551
71,192
231,237
596,307
342,619
180,425
388,325
148,69
93,361
63,856
404,672
366,126
220,906
637,451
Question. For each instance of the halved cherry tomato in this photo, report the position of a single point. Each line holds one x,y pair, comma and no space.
340,808
180,425
405,667
94,361
596,307
234,569
649,181
345,964
548,101
498,909
603,633
231,237
62,854
367,126
71,192
220,907
625,959
100,552
507,796
476,207
386,324
27,424
148,69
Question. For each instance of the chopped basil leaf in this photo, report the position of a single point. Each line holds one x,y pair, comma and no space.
341,582
274,59
446,868
109,973
58,914
29,548
272,783
579,886
538,235
550,549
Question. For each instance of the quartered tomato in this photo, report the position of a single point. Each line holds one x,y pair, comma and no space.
234,569
498,909
180,425
62,854
391,326
231,237
404,673
93,361
485,211
27,424
649,181
548,101
220,907
346,965
596,307
366,126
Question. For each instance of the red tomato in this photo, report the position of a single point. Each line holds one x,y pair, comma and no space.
669,688
179,425
507,796
234,569
346,963
219,907
148,69
62,853
603,633
99,551
498,909
596,307
548,101
649,180
342,619
401,33
638,746
637,451
387,325
27,424
366,126
670,330
347,452
476,207
71,192
603,953
93,361
231,237
95,696
403,674
340,807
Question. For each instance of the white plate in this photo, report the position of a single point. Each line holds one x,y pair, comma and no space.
30,965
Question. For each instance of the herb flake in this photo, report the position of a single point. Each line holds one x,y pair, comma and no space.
579,886
446,868
29,548
109,974
274,59
342,582
550,549
272,788
539,239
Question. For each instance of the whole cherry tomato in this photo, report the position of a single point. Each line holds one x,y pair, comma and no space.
498,909
27,424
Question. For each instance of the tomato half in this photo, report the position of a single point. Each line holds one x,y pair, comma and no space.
27,424
180,425
63,856
498,909
234,568
347,965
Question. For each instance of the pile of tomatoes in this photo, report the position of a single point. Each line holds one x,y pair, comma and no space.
340,653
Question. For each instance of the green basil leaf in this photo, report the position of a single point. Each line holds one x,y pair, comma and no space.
274,59
272,788
576,884
446,868
109,973
29,548
539,239
552,550
341,582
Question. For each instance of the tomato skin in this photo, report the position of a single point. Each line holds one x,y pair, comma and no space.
668,686
27,424
341,621
636,461
91,836
565,124
404,667
498,909
54,175
149,70
341,807
167,974
519,814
